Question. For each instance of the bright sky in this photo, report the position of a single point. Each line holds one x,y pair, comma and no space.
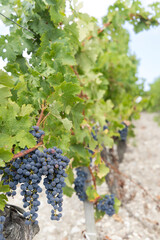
146,45
99,8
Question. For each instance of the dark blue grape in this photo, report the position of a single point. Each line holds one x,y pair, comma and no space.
28,171
79,184
107,205
36,128
105,127
124,132
2,220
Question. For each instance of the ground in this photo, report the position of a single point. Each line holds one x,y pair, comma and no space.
138,217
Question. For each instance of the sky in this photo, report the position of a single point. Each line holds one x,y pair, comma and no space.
146,44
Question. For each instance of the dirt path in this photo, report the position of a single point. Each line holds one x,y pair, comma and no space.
139,218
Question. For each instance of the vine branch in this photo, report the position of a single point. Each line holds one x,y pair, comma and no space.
43,120
41,115
98,32
23,153
93,177
75,71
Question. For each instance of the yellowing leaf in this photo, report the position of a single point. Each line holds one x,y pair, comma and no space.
106,131
92,193
102,171
117,204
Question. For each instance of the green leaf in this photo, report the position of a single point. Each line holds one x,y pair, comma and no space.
117,204
92,193
67,123
68,191
68,59
4,94
55,109
3,200
4,188
98,214
5,79
5,156
80,150
64,142
102,170
70,175
108,141
26,110
27,34
25,139
2,163
6,141
98,159
56,16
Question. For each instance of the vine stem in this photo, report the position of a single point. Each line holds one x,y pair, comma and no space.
76,73
82,95
41,115
109,23
93,177
43,120
99,31
23,153
16,23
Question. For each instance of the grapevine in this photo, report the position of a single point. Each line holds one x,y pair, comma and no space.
79,184
124,132
78,75
2,220
28,171
106,205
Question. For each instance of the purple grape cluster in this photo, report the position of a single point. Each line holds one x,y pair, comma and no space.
105,127
124,132
107,205
54,180
28,171
2,220
79,184
94,133
37,133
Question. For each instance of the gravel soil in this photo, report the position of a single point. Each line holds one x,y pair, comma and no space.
138,217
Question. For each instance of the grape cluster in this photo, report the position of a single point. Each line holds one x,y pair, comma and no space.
2,220
54,180
107,205
105,127
90,151
29,170
123,132
79,184
37,133
94,133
